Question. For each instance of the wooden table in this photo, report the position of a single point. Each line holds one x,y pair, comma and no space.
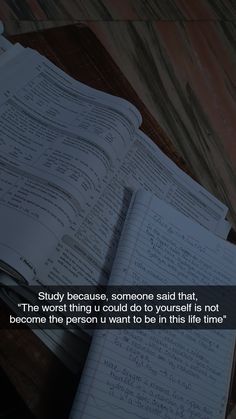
44,383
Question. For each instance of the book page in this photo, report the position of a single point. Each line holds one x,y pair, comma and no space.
89,252
4,44
149,374
9,54
60,143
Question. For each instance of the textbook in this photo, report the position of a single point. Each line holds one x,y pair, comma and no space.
71,159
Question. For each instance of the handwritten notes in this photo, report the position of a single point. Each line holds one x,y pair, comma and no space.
165,374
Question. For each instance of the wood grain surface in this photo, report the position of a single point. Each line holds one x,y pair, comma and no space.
40,378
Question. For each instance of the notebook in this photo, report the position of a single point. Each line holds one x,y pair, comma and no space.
162,374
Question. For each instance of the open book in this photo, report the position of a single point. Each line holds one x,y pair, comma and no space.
71,158
149,374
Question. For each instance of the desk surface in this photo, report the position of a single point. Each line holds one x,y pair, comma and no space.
38,375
